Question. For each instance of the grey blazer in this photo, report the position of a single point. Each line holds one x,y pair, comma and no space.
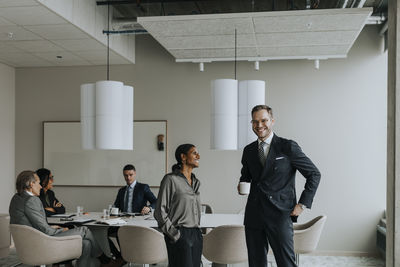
28,210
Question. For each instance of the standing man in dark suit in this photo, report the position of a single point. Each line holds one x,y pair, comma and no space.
131,198
134,196
270,165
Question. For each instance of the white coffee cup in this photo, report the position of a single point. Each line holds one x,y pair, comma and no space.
244,188
114,211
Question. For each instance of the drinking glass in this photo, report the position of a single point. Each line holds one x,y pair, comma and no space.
79,210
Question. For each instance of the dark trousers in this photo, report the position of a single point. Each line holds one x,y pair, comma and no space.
277,230
113,232
186,252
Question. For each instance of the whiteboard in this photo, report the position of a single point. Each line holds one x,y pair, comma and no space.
71,165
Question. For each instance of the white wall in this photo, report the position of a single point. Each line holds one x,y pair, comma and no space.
7,135
337,114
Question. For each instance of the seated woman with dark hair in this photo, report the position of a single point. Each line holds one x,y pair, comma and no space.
50,203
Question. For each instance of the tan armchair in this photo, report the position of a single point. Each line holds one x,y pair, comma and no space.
225,244
306,236
5,237
142,245
36,248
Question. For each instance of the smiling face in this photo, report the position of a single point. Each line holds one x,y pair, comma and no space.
191,159
130,176
262,123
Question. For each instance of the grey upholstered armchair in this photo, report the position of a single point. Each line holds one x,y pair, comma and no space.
36,248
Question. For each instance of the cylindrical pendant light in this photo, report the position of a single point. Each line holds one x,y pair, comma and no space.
88,113
107,116
224,123
128,117
251,93
109,112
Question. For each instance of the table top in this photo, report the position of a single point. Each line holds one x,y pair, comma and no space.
207,220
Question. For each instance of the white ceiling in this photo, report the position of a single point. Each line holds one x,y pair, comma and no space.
33,36
302,34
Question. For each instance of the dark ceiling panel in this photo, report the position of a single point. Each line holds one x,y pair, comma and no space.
131,9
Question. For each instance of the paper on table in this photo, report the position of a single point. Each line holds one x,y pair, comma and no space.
115,221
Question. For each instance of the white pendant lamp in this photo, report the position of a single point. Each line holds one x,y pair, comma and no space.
88,115
107,113
128,117
224,98
231,110
107,116
251,93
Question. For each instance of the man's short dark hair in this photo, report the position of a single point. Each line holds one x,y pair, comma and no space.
261,107
129,167
24,180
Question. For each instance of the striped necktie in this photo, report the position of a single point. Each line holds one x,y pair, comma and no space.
128,200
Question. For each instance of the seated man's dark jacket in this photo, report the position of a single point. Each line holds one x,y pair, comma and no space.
141,194
51,197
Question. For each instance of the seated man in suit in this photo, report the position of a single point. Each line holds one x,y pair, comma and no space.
131,198
27,209
134,196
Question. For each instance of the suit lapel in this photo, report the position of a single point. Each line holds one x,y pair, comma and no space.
123,199
254,159
134,194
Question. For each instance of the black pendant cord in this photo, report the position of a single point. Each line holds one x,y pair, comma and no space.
108,42
235,51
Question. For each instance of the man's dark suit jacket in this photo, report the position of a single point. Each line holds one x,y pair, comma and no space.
276,181
141,194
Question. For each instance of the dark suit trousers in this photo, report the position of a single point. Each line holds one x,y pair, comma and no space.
186,252
113,232
277,230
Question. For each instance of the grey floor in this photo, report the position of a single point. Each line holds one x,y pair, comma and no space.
305,261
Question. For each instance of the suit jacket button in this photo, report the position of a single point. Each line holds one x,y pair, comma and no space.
270,197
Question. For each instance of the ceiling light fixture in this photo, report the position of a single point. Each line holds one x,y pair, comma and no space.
107,111
257,65
316,64
231,103
201,66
